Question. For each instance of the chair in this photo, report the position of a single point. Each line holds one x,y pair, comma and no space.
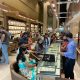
14,75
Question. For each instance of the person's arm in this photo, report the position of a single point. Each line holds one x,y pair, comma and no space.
70,50
30,41
2,37
49,41
29,65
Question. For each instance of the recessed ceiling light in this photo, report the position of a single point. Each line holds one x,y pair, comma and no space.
54,10
53,5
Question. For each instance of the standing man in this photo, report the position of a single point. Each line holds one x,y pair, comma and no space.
46,42
70,55
5,42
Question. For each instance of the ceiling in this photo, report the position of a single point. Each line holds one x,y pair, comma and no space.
63,8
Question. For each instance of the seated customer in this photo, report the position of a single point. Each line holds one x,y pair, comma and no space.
32,61
39,47
23,68
23,64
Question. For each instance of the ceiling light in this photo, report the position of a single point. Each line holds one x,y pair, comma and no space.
54,10
56,15
21,16
53,5
4,10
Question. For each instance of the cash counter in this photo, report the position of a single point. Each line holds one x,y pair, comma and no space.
50,69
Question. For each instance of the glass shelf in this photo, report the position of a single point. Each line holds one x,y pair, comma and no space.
51,68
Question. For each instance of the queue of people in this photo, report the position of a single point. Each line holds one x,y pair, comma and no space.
27,68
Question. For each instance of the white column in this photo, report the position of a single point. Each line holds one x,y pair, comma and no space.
45,25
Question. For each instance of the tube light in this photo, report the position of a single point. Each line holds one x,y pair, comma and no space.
4,10
21,16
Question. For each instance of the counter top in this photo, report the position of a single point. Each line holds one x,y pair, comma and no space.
51,68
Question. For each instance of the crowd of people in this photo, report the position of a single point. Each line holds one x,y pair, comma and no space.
26,65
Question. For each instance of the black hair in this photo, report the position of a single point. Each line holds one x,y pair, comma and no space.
20,56
66,40
69,35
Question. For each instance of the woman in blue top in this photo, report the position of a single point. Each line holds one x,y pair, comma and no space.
21,62
24,66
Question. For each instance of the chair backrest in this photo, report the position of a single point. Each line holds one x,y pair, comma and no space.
14,75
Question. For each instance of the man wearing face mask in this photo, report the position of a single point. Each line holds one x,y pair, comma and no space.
70,55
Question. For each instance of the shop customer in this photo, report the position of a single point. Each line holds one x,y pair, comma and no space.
4,39
70,55
46,42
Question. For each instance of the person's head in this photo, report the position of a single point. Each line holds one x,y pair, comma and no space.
2,29
21,31
46,35
39,41
69,35
21,56
25,34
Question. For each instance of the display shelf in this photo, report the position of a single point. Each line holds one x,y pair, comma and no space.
51,68
15,27
34,28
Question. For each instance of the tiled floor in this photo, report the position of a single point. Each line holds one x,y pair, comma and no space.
5,70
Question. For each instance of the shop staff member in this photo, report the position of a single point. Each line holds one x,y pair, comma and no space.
70,55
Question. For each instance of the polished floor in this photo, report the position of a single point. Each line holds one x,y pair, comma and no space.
5,70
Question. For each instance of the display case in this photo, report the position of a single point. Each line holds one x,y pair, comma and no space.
15,27
52,69
34,29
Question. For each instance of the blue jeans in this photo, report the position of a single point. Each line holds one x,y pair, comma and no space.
5,53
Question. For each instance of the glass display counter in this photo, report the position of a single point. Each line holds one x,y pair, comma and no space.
51,69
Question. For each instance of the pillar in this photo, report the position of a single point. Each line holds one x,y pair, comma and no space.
45,16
